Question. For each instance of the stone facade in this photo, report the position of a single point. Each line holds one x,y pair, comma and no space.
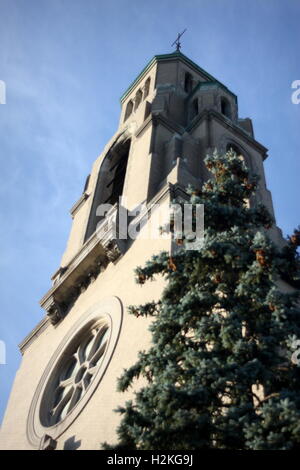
172,115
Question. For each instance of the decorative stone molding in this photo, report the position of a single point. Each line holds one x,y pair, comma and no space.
54,310
113,252
230,125
35,333
226,139
47,443
78,204
105,245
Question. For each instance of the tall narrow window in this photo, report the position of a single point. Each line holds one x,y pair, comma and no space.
195,108
129,109
138,98
147,87
110,182
147,109
117,173
225,107
188,82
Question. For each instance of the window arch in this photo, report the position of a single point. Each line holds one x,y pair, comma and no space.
117,173
129,109
110,182
235,149
188,82
225,107
227,142
138,98
147,87
147,109
76,371
96,335
195,108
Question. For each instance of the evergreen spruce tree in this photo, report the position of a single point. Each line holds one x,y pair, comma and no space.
220,373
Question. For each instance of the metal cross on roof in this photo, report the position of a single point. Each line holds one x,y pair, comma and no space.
177,40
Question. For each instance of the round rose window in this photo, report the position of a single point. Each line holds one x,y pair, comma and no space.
75,370
76,373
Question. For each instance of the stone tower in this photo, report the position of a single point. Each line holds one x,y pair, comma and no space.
172,115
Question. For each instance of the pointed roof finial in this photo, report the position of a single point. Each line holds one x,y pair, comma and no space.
177,41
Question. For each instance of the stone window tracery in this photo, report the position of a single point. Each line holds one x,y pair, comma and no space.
77,372
74,372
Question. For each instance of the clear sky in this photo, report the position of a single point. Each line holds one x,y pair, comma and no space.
66,63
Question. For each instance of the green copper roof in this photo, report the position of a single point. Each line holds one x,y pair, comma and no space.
173,55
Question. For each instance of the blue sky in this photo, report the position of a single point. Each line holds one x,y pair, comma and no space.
66,63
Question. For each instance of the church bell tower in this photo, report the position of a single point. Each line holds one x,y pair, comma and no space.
172,116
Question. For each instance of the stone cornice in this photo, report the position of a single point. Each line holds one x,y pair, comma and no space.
171,57
78,204
214,83
104,246
209,114
155,120
168,123
40,327
168,191
100,249
55,301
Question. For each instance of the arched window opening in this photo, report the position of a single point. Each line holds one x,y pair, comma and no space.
236,150
117,174
129,109
195,108
138,98
147,109
110,182
147,87
225,107
188,82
